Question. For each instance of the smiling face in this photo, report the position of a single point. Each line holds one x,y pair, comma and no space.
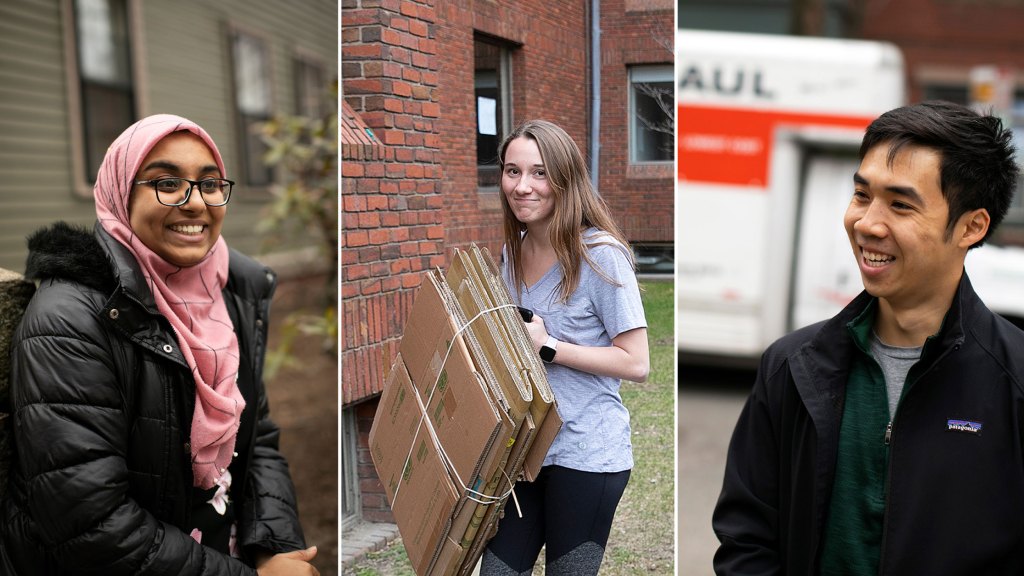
181,235
525,184
897,225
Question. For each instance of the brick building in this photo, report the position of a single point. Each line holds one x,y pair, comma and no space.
941,43
429,89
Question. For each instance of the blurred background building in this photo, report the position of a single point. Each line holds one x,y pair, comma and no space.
75,73
959,50
429,90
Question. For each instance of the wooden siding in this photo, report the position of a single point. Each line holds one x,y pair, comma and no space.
183,63
35,168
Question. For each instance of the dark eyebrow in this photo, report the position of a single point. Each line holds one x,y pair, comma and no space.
164,164
906,191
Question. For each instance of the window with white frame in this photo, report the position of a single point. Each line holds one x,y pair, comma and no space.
492,90
651,115
106,92
252,104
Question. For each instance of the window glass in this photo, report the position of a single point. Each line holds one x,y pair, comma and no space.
493,110
252,102
349,466
651,103
104,75
309,89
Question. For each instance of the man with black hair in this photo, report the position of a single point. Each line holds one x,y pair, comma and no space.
890,438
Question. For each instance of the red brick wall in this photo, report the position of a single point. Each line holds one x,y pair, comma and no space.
548,42
945,38
374,502
391,209
640,196
391,206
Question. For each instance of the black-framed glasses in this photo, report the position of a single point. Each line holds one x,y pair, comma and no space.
174,192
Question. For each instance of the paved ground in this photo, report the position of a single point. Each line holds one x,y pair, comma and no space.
709,403
363,538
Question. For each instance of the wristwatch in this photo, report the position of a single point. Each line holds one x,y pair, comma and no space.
547,351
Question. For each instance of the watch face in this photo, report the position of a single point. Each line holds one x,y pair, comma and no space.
547,354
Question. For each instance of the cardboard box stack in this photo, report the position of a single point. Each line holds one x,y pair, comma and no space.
466,410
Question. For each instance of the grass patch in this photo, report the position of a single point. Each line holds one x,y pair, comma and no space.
391,561
642,538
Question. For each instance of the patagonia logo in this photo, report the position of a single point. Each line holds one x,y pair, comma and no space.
964,426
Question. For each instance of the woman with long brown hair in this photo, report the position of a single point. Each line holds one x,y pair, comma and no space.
565,259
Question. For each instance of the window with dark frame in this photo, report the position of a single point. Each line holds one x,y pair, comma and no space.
104,74
493,108
350,501
310,88
252,104
651,119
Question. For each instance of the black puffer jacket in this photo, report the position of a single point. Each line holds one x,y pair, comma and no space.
102,401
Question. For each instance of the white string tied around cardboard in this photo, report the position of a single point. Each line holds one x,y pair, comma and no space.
475,496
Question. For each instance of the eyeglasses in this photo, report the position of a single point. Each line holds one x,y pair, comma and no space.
174,192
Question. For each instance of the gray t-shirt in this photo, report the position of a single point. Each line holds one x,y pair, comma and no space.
595,436
895,363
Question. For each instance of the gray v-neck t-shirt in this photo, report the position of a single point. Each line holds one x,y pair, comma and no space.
595,436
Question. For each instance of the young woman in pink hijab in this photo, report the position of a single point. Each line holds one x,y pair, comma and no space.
143,443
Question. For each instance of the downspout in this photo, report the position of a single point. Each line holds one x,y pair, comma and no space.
595,91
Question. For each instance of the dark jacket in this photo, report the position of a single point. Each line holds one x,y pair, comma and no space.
102,399
955,498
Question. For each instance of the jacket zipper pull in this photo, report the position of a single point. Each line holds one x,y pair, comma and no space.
888,433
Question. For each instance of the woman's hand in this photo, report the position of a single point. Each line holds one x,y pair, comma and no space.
539,334
287,564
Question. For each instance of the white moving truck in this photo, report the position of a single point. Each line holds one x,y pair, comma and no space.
768,133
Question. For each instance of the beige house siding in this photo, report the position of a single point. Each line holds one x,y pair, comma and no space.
182,64
35,149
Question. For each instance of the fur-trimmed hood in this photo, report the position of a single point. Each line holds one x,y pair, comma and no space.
63,250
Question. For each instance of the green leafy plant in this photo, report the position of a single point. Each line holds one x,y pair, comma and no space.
306,205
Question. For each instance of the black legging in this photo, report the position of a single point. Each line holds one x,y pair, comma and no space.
567,510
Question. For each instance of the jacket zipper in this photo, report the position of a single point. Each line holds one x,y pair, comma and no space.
888,443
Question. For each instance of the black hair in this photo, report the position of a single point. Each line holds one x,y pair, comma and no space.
977,166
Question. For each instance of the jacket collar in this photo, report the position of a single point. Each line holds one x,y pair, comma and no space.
69,252
820,367
102,263
126,269
95,260
828,354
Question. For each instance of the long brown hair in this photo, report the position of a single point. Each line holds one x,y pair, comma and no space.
577,207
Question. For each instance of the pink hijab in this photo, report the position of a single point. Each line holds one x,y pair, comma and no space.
190,298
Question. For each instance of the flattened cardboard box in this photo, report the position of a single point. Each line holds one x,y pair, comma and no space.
438,521
465,422
430,508
416,483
